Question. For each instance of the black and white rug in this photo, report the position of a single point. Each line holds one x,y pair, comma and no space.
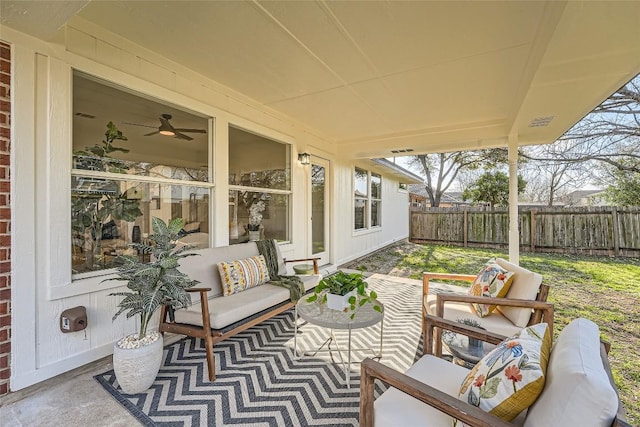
260,383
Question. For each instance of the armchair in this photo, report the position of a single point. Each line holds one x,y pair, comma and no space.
525,304
578,390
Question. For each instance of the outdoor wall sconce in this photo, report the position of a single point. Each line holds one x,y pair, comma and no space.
304,158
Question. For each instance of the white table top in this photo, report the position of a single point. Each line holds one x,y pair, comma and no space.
321,315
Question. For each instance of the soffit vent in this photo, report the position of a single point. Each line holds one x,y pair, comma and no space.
86,116
402,150
541,121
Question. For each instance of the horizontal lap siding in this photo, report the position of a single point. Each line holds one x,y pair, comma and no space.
5,216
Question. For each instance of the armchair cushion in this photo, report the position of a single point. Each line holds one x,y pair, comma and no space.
509,379
525,286
497,322
236,276
394,408
577,391
493,281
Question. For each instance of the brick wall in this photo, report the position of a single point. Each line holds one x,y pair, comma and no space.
5,216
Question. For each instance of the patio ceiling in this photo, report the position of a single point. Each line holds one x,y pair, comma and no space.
381,76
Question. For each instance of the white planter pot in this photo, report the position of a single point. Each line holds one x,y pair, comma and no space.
339,302
136,368
254,235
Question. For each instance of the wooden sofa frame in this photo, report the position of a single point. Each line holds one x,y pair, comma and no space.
541,309
471,415
213,336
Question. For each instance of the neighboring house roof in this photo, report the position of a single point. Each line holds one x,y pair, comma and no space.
452,197
580,197
418,189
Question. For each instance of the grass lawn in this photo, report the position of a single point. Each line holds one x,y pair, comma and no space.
604,290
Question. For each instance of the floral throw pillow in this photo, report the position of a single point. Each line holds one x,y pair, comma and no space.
236,276
493,281
509,379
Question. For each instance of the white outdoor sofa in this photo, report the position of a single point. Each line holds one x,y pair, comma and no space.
214,317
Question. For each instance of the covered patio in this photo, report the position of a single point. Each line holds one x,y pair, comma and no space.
293,104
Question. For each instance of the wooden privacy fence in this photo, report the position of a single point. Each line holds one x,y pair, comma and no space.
589,230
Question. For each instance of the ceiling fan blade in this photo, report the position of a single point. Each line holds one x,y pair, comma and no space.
183,136
138,124
191,130
152,133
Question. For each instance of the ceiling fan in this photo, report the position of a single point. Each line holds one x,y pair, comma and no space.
167,129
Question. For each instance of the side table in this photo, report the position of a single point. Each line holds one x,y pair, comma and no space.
465,354
321,315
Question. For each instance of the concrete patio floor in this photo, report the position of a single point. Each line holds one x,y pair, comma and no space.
76,399
71,399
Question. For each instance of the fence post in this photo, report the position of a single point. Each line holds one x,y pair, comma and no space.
616,231
465,227
532,230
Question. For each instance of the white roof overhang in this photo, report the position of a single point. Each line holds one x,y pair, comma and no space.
373,77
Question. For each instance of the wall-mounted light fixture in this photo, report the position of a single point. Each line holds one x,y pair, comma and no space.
304,158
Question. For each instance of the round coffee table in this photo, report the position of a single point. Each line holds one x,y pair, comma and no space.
464,353
321,315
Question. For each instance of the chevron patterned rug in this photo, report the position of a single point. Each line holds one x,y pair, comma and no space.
260,383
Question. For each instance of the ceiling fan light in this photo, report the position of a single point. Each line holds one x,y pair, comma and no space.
167,132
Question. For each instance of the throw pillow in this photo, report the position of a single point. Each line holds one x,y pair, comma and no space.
236,276
511,377
493,281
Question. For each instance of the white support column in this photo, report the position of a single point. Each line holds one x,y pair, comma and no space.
514,232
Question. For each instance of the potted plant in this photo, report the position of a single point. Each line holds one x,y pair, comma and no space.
255,219
473,342
137,357
103,201
342,291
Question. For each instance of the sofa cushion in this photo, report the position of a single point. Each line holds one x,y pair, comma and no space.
509,378
461,310
241,274
577,391
228,310
395,408
492,281
525,286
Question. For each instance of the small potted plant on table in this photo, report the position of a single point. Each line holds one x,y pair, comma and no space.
137,357
344,291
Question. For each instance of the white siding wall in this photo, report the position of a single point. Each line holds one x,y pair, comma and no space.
41,283
395,214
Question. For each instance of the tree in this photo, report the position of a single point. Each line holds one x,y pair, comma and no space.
626,188
548,181
604,143
441,169
492,188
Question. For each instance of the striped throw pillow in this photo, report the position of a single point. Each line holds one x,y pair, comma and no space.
237,276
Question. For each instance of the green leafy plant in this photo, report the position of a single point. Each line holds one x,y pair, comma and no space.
98,157
158,282
342,283
470,322
90,210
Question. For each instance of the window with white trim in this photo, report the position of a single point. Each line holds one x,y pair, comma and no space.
133,158
367,200
259,187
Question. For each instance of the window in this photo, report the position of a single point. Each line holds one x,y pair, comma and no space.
376,200
133,158
259,187
367,199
